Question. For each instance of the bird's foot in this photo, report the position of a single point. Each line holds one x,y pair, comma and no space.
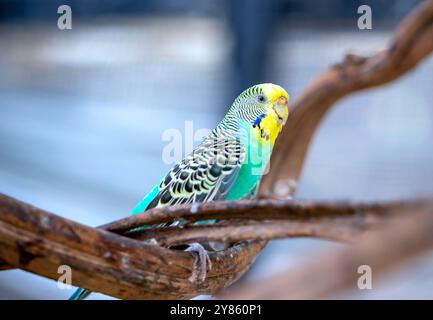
202,262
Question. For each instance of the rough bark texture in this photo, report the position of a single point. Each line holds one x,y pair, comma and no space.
267,219
105,261
381,250
37,241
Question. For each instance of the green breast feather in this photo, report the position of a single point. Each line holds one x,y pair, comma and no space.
251,172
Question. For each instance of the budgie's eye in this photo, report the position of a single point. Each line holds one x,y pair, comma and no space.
261,98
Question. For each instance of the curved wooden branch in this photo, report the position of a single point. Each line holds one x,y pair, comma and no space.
265,220
411,43
260,209
347,230
337,270
37,241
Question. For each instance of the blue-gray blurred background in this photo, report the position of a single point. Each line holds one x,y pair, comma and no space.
83,111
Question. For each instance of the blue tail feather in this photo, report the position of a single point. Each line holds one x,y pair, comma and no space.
80,294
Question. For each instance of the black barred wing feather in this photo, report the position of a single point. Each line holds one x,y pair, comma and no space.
207,174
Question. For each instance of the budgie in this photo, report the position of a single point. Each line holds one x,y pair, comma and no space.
229,163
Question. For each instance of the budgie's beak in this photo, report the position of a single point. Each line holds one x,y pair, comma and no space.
281,108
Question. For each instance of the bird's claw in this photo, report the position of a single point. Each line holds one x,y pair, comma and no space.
201,257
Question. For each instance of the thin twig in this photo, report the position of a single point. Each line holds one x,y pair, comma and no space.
261,209
253,220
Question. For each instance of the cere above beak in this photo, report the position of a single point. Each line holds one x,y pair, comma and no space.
282,100
281,109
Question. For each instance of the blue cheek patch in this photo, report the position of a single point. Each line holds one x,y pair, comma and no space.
257,122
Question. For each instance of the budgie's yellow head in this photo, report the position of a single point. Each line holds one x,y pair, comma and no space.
265,107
